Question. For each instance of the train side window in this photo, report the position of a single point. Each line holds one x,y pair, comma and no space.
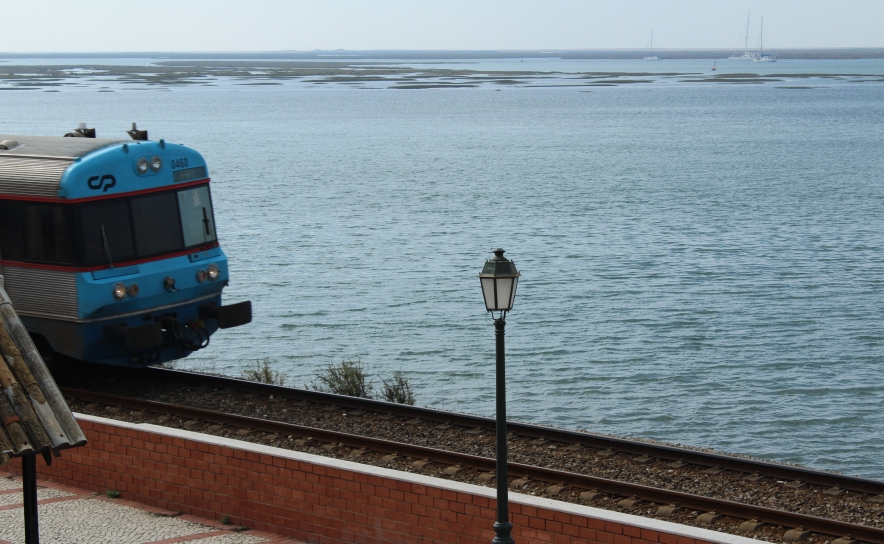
157,229
46,232
197,219
106,232
11,233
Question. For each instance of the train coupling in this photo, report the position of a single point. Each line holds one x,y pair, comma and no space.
233,315
136,338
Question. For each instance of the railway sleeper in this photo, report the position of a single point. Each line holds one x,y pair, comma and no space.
630,502
486,477
750,526
591,495
668,510
709,518
421,463
798,534
555,490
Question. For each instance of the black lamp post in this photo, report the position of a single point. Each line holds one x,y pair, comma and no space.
499,278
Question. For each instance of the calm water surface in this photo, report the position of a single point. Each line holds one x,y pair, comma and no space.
702,263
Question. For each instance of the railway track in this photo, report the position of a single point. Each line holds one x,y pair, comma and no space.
609,445
649,499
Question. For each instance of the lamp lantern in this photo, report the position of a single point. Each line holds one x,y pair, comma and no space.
499,279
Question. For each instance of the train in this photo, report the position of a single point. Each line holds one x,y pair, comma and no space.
108,247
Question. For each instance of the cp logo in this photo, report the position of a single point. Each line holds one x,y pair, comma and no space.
95,183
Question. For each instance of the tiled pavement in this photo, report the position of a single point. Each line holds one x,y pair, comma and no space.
72,516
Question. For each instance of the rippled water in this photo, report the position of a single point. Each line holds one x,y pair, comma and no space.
702,263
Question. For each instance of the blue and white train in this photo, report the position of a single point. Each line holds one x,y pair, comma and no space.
108,248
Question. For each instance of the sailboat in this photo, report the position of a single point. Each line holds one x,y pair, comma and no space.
747,55
649,50
761,57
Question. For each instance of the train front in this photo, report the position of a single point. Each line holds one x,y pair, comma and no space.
144,257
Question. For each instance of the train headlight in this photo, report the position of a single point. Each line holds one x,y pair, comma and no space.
133,290
120,291
213,271
156,163
142,166
201,275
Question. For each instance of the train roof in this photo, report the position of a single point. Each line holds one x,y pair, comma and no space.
58,167
53,147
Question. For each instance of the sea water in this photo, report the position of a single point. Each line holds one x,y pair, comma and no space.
703,263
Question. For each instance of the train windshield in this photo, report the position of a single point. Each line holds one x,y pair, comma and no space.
107,232
196,216
146,226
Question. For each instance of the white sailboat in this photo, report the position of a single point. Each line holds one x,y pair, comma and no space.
761,57
747,55
649,50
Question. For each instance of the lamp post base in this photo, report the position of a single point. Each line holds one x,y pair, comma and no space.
502,533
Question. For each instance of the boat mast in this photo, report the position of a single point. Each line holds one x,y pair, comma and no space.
747,30
761,37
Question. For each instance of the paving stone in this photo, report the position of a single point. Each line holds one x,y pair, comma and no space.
92,521
43,493
233,538
9,483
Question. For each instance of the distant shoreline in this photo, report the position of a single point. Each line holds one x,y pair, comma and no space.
598,54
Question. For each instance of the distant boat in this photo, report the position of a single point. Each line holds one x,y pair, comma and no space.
747,55
649,50
761,57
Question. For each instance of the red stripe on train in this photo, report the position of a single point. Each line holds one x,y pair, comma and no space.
62,200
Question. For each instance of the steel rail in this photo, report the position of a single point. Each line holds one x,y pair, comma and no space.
655,495
602,442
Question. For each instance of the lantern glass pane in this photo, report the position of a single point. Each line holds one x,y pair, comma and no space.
513,295
488,292
504,293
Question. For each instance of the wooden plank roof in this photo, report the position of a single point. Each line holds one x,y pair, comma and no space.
34,417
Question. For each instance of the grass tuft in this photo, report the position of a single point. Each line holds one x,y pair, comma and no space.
347,378
398,390
262,371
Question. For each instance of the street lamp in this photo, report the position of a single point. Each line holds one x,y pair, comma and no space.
499,278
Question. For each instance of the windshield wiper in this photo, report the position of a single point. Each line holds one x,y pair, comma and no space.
106,247
206,221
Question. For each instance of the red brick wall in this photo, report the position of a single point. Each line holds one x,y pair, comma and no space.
309,501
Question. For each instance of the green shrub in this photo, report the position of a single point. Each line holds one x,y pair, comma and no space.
398,390
112,493
261,371
347,378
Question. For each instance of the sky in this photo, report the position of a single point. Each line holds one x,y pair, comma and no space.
304,25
